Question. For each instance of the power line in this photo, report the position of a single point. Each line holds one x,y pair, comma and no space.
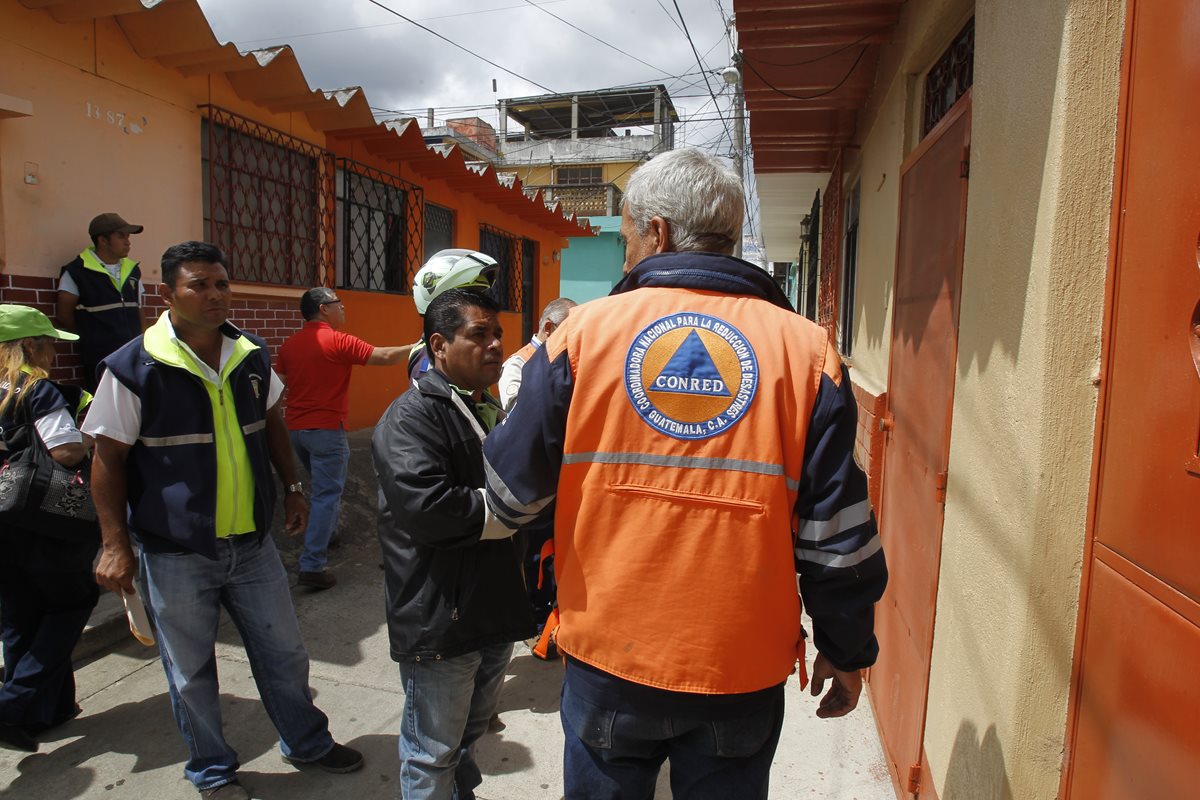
384,24
700,64
459,46
668,13
590,36
837,86
830,54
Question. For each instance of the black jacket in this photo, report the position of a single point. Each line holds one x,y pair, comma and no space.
447,591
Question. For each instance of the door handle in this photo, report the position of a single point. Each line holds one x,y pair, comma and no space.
887,422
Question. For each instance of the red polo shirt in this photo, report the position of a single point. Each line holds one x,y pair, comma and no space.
316,362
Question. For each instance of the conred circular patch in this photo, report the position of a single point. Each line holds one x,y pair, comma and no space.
690,376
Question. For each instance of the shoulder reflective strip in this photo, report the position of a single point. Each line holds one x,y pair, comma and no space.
688,462
814,530
108,307
172,441
838,560
254,427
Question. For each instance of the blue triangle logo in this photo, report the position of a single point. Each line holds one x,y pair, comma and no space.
691,371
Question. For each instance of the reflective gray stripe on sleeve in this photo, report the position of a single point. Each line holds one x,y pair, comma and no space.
815,530
171,441
501,491
254,427
687,462
837,559
108,307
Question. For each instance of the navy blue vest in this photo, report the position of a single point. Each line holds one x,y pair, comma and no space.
105,318
172,468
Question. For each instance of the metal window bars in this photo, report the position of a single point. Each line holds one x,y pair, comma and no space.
269,201
949,78
379,229
508,250
439,229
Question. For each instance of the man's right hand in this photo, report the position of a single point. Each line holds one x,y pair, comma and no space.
116,569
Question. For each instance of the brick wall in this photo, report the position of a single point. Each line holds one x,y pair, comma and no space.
272,319
868,443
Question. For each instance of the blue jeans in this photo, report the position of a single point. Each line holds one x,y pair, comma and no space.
616,755
326,455
184,593
447,705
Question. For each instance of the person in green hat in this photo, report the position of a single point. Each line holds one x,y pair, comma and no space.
47,591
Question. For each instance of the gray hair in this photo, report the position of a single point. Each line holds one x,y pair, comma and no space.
556,311
312,300
696,193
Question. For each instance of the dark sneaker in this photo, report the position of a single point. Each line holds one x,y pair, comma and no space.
226,791
317,580
14,737
338,760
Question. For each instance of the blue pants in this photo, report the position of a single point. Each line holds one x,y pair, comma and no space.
447,706
185,593
42,614
326,456
616,755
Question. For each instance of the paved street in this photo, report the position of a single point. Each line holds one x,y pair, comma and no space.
125,744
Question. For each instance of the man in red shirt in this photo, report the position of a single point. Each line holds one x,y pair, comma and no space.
315,362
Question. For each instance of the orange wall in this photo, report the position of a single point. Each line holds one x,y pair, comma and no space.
151,174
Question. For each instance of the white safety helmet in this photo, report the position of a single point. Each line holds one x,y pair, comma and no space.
452,269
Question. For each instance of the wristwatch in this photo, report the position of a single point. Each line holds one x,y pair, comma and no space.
296,487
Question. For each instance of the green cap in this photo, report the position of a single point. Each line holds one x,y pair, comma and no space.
22,322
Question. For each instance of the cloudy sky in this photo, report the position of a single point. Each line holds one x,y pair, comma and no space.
405,70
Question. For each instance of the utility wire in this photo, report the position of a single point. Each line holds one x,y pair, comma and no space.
830,54
459,46
700,64
668,13
590,36
837,86
383,24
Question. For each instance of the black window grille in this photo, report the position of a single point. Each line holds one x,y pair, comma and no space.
810,259
949,78
268,201
439,229
507,249
378,229
580,176
849,273
528,270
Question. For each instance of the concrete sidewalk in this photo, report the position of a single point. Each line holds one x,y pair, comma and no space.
126,745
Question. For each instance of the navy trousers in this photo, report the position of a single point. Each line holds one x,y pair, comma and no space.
44,606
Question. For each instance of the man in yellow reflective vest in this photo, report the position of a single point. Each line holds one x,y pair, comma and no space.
100,293
187,426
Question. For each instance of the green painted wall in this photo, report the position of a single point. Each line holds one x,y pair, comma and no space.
591,266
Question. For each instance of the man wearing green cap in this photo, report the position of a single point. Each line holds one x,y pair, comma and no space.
100,293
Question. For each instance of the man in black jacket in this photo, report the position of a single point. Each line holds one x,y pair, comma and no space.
454,590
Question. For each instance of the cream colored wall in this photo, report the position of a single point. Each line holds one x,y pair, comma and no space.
149,171
885,138
1043,136
1043,140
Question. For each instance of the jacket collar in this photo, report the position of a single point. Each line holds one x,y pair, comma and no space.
709,271
434,384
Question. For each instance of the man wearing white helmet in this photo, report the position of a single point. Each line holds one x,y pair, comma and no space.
447,269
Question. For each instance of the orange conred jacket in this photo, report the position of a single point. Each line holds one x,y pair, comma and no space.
707,457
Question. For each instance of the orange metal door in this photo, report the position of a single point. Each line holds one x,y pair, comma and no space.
933,200
1135,728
